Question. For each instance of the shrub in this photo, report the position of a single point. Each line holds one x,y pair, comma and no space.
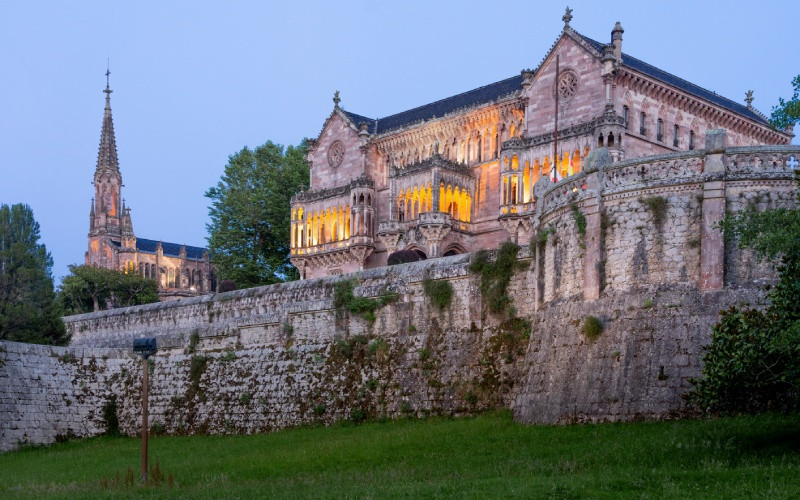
226,286
580,220
496,275
194,339
439,291
591,327
378,348
425,354
197,366
110,416
403,256
344,299
647,304
357,415
753,361
658,207
319,410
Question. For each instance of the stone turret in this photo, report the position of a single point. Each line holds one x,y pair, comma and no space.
616,41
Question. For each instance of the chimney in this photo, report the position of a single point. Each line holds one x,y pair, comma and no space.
616,41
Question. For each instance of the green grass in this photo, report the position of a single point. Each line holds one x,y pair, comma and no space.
478,457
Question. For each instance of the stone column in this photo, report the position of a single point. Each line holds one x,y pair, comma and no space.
593,254
712,243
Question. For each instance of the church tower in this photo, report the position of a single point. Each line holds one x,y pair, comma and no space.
110,227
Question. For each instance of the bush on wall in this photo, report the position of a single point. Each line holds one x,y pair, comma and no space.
439,291
403,256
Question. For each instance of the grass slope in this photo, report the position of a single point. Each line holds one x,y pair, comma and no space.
484,456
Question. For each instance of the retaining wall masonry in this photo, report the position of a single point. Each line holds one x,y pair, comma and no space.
271,357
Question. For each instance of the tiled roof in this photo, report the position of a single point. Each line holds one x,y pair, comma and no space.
493,91
481,95
170,249
680,83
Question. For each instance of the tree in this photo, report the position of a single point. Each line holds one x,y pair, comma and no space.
88,288
250,214
787,113
28,312
753,361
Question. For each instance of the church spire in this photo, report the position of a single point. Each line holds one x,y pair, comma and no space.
107,155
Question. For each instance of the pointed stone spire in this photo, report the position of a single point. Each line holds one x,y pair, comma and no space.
107,154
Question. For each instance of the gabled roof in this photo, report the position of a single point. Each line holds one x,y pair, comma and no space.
481,95
170,249
681,84
495,91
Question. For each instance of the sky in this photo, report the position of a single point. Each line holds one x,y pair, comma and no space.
196,81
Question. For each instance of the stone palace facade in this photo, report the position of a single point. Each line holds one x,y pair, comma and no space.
464,173
179,270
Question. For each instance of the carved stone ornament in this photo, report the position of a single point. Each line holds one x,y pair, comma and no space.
567,84
335,154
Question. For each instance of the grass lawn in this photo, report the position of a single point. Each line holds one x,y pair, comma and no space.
486,456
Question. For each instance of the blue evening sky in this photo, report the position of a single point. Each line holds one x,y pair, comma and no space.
195,81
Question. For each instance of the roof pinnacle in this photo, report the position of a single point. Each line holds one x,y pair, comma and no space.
748,98
336,99
567,17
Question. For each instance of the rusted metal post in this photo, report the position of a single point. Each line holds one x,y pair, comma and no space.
145,369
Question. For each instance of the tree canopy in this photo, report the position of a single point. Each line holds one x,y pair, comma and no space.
89,288
250,214
787,113
28,312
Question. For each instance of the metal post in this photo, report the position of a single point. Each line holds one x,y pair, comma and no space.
144,418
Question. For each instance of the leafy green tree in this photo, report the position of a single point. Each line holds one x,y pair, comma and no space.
753,361
250,214
89,288
28,312
787,113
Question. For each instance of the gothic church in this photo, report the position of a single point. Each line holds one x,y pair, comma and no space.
179,270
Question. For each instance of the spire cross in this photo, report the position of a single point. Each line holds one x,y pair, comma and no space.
567,17
336,99
108,73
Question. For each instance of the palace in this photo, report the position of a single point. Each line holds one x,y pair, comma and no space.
179,270
464,173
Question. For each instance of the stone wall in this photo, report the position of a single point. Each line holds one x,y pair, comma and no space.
271,357
54,393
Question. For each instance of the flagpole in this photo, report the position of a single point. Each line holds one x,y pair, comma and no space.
555,133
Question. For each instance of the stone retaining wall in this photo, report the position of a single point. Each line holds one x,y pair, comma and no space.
271,357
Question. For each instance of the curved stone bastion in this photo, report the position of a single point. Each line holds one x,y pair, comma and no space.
634,244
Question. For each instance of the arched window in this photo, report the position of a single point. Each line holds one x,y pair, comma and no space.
171,278
625,115
691,140
660,130
642,120
675,136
